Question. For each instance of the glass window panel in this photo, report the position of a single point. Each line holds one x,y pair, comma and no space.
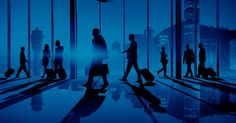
62,29
40,21
19,31
88,18
159,23
3,36
112,30
136,23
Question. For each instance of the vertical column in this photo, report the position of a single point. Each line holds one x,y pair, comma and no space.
148,34
172,39
124,31
178,39
196,32
218,40
72,39
29,43
100,16
76,37
9,34
52,30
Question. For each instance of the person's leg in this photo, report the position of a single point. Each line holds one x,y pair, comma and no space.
161,70
18,72
60,64
25,70
186,75
105,82
201,69
90,78
44,68
135,63
128,68
55,66
165,69
190,70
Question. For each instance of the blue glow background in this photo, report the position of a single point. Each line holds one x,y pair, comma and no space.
112,25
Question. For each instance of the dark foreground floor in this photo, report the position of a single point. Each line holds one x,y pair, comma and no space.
169,101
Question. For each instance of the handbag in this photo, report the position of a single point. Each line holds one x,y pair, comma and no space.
101,70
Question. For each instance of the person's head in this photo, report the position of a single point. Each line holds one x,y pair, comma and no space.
46,47
131,37
200,45
96,32
187,46
22,48
58,43
163,48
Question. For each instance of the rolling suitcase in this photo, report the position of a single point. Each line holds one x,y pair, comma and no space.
9,72
147,75
210,72
51,74
62,73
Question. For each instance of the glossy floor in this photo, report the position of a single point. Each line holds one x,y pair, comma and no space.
169,101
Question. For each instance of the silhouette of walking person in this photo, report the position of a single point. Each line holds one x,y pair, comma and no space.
189,59
99,54
132,59
45,60
58,61
202,59
22,64
164,61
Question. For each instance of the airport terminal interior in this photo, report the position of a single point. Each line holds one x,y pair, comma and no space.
55,41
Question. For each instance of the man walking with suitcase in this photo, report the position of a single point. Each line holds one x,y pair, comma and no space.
22,64
132,59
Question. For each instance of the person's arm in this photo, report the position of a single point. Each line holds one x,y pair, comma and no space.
132,47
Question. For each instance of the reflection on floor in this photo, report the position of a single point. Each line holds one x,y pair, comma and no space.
171,100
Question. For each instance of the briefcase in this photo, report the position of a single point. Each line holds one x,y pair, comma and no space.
101,70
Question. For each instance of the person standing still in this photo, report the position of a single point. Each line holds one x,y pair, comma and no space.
188,59
45,60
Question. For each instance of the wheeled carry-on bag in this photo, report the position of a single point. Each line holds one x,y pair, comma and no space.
147,75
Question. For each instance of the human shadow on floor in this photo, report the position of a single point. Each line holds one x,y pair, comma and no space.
12,80
218,80
27,93
88,104
147,95
221,87
182,83
18,87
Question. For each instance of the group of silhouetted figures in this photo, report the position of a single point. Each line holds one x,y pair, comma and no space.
189,59
58,62
100,53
